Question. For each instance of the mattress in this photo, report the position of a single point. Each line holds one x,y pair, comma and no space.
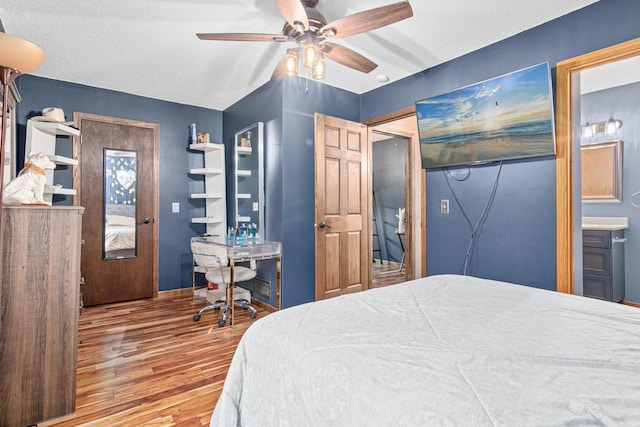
440,351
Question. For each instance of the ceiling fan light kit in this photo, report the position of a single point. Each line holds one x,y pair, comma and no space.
310,55
319,71
309,29
291,63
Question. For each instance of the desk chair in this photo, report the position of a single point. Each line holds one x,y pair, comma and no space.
216,263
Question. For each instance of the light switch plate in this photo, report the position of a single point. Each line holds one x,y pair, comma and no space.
255,206
175,207
444,207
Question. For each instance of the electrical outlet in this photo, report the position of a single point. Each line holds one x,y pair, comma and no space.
255,206
444,207
175,207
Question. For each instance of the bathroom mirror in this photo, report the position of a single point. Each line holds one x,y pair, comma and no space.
601,172
119,204
249,177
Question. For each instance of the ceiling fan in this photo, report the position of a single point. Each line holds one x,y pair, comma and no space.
309,29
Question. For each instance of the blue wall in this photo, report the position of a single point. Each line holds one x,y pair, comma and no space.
298,233
624,103
287,108
174,270
517,242
263,105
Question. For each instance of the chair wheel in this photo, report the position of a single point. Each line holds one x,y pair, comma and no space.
252,315
221,323
196,317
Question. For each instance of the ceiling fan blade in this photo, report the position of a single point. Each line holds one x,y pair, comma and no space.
368,20
347,57
243,37
294,13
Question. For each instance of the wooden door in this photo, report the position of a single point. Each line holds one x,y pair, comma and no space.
132,276
341,207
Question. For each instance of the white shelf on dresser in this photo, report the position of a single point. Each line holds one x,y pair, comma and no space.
44,137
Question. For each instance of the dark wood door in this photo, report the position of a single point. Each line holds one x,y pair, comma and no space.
341,207
133,276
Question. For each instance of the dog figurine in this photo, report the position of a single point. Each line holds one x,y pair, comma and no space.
28,187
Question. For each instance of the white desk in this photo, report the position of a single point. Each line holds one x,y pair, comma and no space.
243,251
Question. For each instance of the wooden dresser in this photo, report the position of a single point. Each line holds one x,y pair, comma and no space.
39,305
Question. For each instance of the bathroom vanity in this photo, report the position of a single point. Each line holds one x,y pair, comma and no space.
603,257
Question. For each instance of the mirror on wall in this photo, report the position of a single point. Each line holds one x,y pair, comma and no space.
249,177
119,203
601,172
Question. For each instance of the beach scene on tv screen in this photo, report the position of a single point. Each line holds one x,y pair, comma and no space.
507,117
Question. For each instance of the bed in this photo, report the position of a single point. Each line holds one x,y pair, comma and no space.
440,351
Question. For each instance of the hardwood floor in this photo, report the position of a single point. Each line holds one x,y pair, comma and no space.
147,362
386,274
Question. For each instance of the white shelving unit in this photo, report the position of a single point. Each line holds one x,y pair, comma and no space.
215,188
43,137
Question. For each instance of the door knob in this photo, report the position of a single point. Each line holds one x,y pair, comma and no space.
145,221
323,225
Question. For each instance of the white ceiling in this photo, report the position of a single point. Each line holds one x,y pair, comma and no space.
149,47
614,74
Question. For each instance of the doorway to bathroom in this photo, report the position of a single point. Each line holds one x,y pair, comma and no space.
388,207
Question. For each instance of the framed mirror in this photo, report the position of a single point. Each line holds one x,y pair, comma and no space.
119,204
601,172
249,177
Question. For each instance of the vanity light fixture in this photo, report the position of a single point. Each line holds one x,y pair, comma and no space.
609,127
587,129
612,126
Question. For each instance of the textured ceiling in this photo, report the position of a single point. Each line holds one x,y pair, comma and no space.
149,47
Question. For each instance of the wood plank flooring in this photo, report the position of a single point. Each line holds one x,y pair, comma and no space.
386,274
148,363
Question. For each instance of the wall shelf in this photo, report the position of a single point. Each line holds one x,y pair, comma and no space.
207,147
44,137
206,220
62,160
60,190
214,191
206,171
207,196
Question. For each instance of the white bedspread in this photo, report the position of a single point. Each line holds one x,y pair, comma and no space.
440,351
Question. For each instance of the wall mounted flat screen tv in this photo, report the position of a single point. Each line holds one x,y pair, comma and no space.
504,118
